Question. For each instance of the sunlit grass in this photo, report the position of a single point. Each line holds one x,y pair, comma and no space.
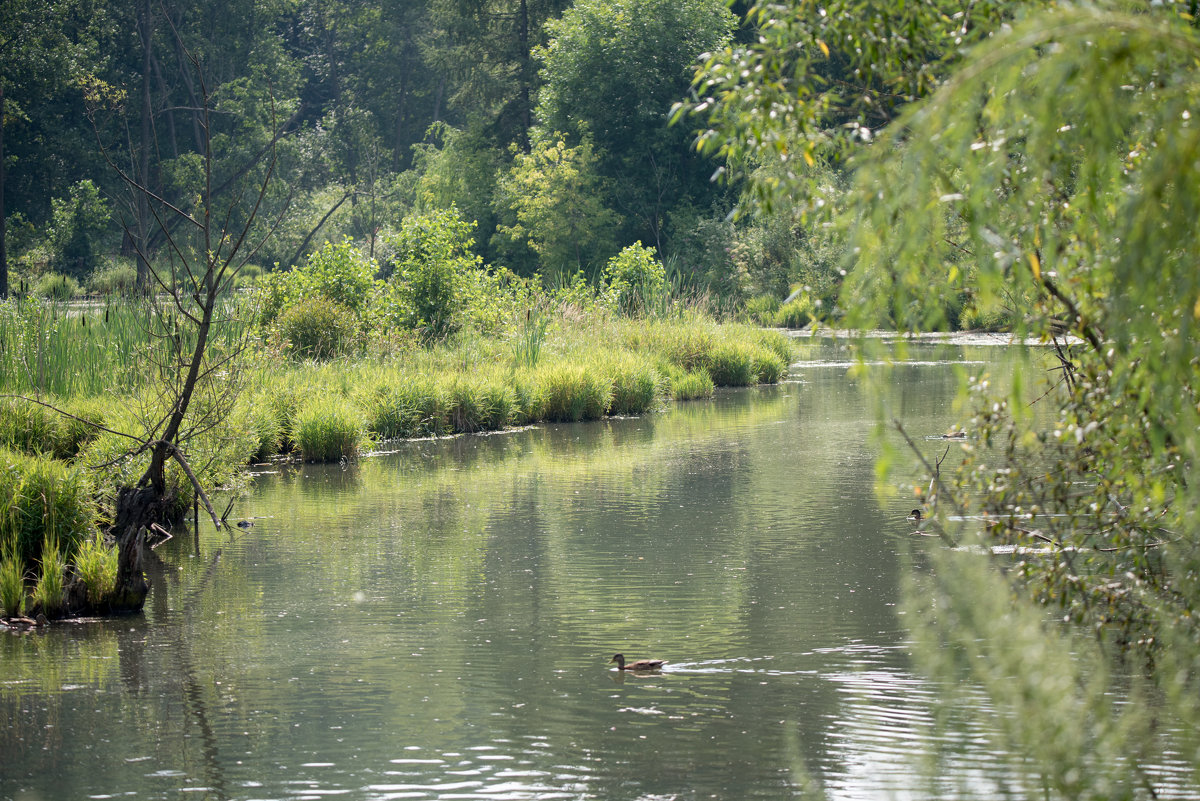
329,428
48,592
96,564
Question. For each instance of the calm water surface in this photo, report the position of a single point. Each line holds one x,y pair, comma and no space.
435,622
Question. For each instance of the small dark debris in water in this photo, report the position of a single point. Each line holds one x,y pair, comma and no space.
244,524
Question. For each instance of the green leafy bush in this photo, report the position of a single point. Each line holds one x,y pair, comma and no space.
12,584
429,265
317,328
635,280
77,225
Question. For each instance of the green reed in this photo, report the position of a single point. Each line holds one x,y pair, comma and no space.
86,349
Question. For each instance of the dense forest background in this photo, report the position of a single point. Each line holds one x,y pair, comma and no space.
545,123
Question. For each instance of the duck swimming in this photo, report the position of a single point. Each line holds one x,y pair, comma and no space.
641,664
915,515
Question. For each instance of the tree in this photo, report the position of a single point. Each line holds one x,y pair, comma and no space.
1052,165
611,72
213,244
42,45
554,199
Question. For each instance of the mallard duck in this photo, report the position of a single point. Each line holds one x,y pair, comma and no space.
915,515
641,664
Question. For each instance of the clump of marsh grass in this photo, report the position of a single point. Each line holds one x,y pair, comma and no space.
731,364
48,592
574,392
96,566
529,397
53,500
404,405
768,367
329,428
528,338
28,427
12,583
685,386
636,385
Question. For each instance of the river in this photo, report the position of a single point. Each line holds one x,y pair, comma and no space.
435,621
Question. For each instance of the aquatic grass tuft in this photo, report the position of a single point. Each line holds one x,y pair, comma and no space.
12,584
529,397
635,385
768,367
685,386
330,428
528,338
574,392
404,405
28,427
777,342
48,592
54,500
96,565
467,404
731,364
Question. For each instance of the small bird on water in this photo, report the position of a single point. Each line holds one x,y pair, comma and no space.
915,516
641,664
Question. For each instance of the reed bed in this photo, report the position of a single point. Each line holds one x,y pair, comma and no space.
81,350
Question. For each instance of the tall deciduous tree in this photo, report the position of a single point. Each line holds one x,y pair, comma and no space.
555,201
612,71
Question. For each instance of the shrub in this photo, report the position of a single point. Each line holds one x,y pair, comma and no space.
635,280
317,328
77,224
96,565
329,428
432,255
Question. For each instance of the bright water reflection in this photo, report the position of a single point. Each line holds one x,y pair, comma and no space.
436,622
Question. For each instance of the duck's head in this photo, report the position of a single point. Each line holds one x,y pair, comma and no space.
915,515
619,659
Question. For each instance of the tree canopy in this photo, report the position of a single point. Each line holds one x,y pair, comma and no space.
1040,160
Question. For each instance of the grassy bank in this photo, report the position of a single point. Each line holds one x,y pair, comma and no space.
485,351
